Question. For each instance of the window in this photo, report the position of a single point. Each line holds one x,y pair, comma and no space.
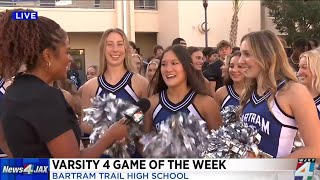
6,3
47,3
101,4
145,4
104,4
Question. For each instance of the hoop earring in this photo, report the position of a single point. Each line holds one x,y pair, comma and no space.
48,64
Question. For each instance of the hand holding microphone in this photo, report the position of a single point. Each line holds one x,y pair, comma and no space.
104,116
119,130
136,113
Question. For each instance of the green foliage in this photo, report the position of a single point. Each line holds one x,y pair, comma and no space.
296,18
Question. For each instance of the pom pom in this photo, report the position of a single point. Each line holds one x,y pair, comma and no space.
232,141
105,111
229,114
180,136
298,142
235,139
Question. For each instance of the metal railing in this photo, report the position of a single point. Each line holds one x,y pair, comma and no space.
145,4
89,4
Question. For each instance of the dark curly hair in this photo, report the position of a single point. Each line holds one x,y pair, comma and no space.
22,42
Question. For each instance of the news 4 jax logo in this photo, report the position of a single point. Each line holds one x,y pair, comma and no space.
26,169
305,169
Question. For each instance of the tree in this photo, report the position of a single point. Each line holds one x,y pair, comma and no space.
234,22
296,18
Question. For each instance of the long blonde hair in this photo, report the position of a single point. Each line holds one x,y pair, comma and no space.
313,63
102,49
227,79
272,59
153,79
141,63
153,61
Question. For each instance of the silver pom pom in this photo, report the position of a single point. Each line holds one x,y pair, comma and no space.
105,111
298,142
235,139
229,114
232,141
179,137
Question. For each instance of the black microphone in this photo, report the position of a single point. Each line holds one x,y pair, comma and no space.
135,113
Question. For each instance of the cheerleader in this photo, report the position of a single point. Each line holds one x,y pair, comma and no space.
309,74
178,90
137,64
150,72
234,81
116,73
92,72
274,102
117,76
197,63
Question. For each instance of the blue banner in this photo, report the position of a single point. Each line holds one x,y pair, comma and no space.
19,15
24,169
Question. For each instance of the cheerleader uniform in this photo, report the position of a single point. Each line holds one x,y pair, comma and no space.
277,129
123,90
165,108
231,99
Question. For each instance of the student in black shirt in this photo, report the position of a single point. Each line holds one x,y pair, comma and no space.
213,70
36,119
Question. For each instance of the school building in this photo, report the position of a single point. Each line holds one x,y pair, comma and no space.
146,22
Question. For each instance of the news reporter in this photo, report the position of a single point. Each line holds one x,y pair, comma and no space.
37,121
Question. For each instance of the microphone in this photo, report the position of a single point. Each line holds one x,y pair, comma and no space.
135,113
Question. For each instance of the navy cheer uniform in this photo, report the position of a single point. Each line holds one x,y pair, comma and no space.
165,109
317,101
2,91
231,99
277,129
122,90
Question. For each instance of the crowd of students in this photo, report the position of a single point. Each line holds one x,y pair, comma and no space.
38,119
